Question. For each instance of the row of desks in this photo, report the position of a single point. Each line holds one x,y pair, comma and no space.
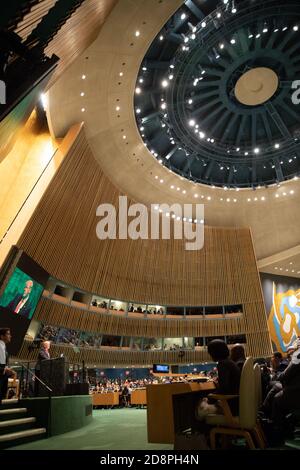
137,397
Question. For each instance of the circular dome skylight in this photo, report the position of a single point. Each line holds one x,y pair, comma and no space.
214,101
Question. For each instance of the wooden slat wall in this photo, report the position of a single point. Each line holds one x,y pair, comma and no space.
79,31
56,314
61,236
33,18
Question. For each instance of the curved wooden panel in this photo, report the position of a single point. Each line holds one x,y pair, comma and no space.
79,31
57,314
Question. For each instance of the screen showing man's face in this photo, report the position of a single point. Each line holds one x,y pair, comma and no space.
28,288
21,294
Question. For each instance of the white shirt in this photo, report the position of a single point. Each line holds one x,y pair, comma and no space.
2,352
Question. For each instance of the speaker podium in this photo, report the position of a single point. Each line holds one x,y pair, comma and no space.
55,374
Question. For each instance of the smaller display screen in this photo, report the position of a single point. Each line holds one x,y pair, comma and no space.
160,368
21,294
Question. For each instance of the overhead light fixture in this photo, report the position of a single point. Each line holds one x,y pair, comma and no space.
165,83
183,16
137,33
161,38
138,90
83,77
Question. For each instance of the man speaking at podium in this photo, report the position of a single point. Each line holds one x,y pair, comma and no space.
43,356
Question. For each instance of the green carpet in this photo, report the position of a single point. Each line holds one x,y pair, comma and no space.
116,429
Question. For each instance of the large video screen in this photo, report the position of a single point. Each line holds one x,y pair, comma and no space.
22,282
160,368
21,294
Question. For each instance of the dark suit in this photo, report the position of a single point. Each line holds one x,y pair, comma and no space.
25,311
43,356
3,380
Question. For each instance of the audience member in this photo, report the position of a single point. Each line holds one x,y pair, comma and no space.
237,355
228,381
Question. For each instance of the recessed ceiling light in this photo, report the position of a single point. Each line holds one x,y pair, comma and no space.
83,77
165,83
164,106
82,93
121,74
137,33
138,111
192,123
138,90
82,110
118,108
161,38
233,41
124,137
203,24
256,150
295,28
277,146
183,16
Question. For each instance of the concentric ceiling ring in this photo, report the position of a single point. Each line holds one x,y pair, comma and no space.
190,109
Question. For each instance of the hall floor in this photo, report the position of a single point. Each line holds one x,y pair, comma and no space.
116,429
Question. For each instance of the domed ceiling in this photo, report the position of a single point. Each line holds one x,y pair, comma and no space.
213,98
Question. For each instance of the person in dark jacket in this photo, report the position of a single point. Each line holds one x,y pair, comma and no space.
287,400
229,374
237,355
43,356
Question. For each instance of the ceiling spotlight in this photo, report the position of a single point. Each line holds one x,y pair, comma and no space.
295,28
233,41
219,15
118,108
161,38
138,111
165,83
171,77
257,36
82,110
277,146
141,80
192,123
256,150
82,93
83,77
285,28
193,36
142,128
183,16
138,90
144,69
265,30
250,36
246,154
121,74
221,46
164,106
137,33
190,101
203,24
